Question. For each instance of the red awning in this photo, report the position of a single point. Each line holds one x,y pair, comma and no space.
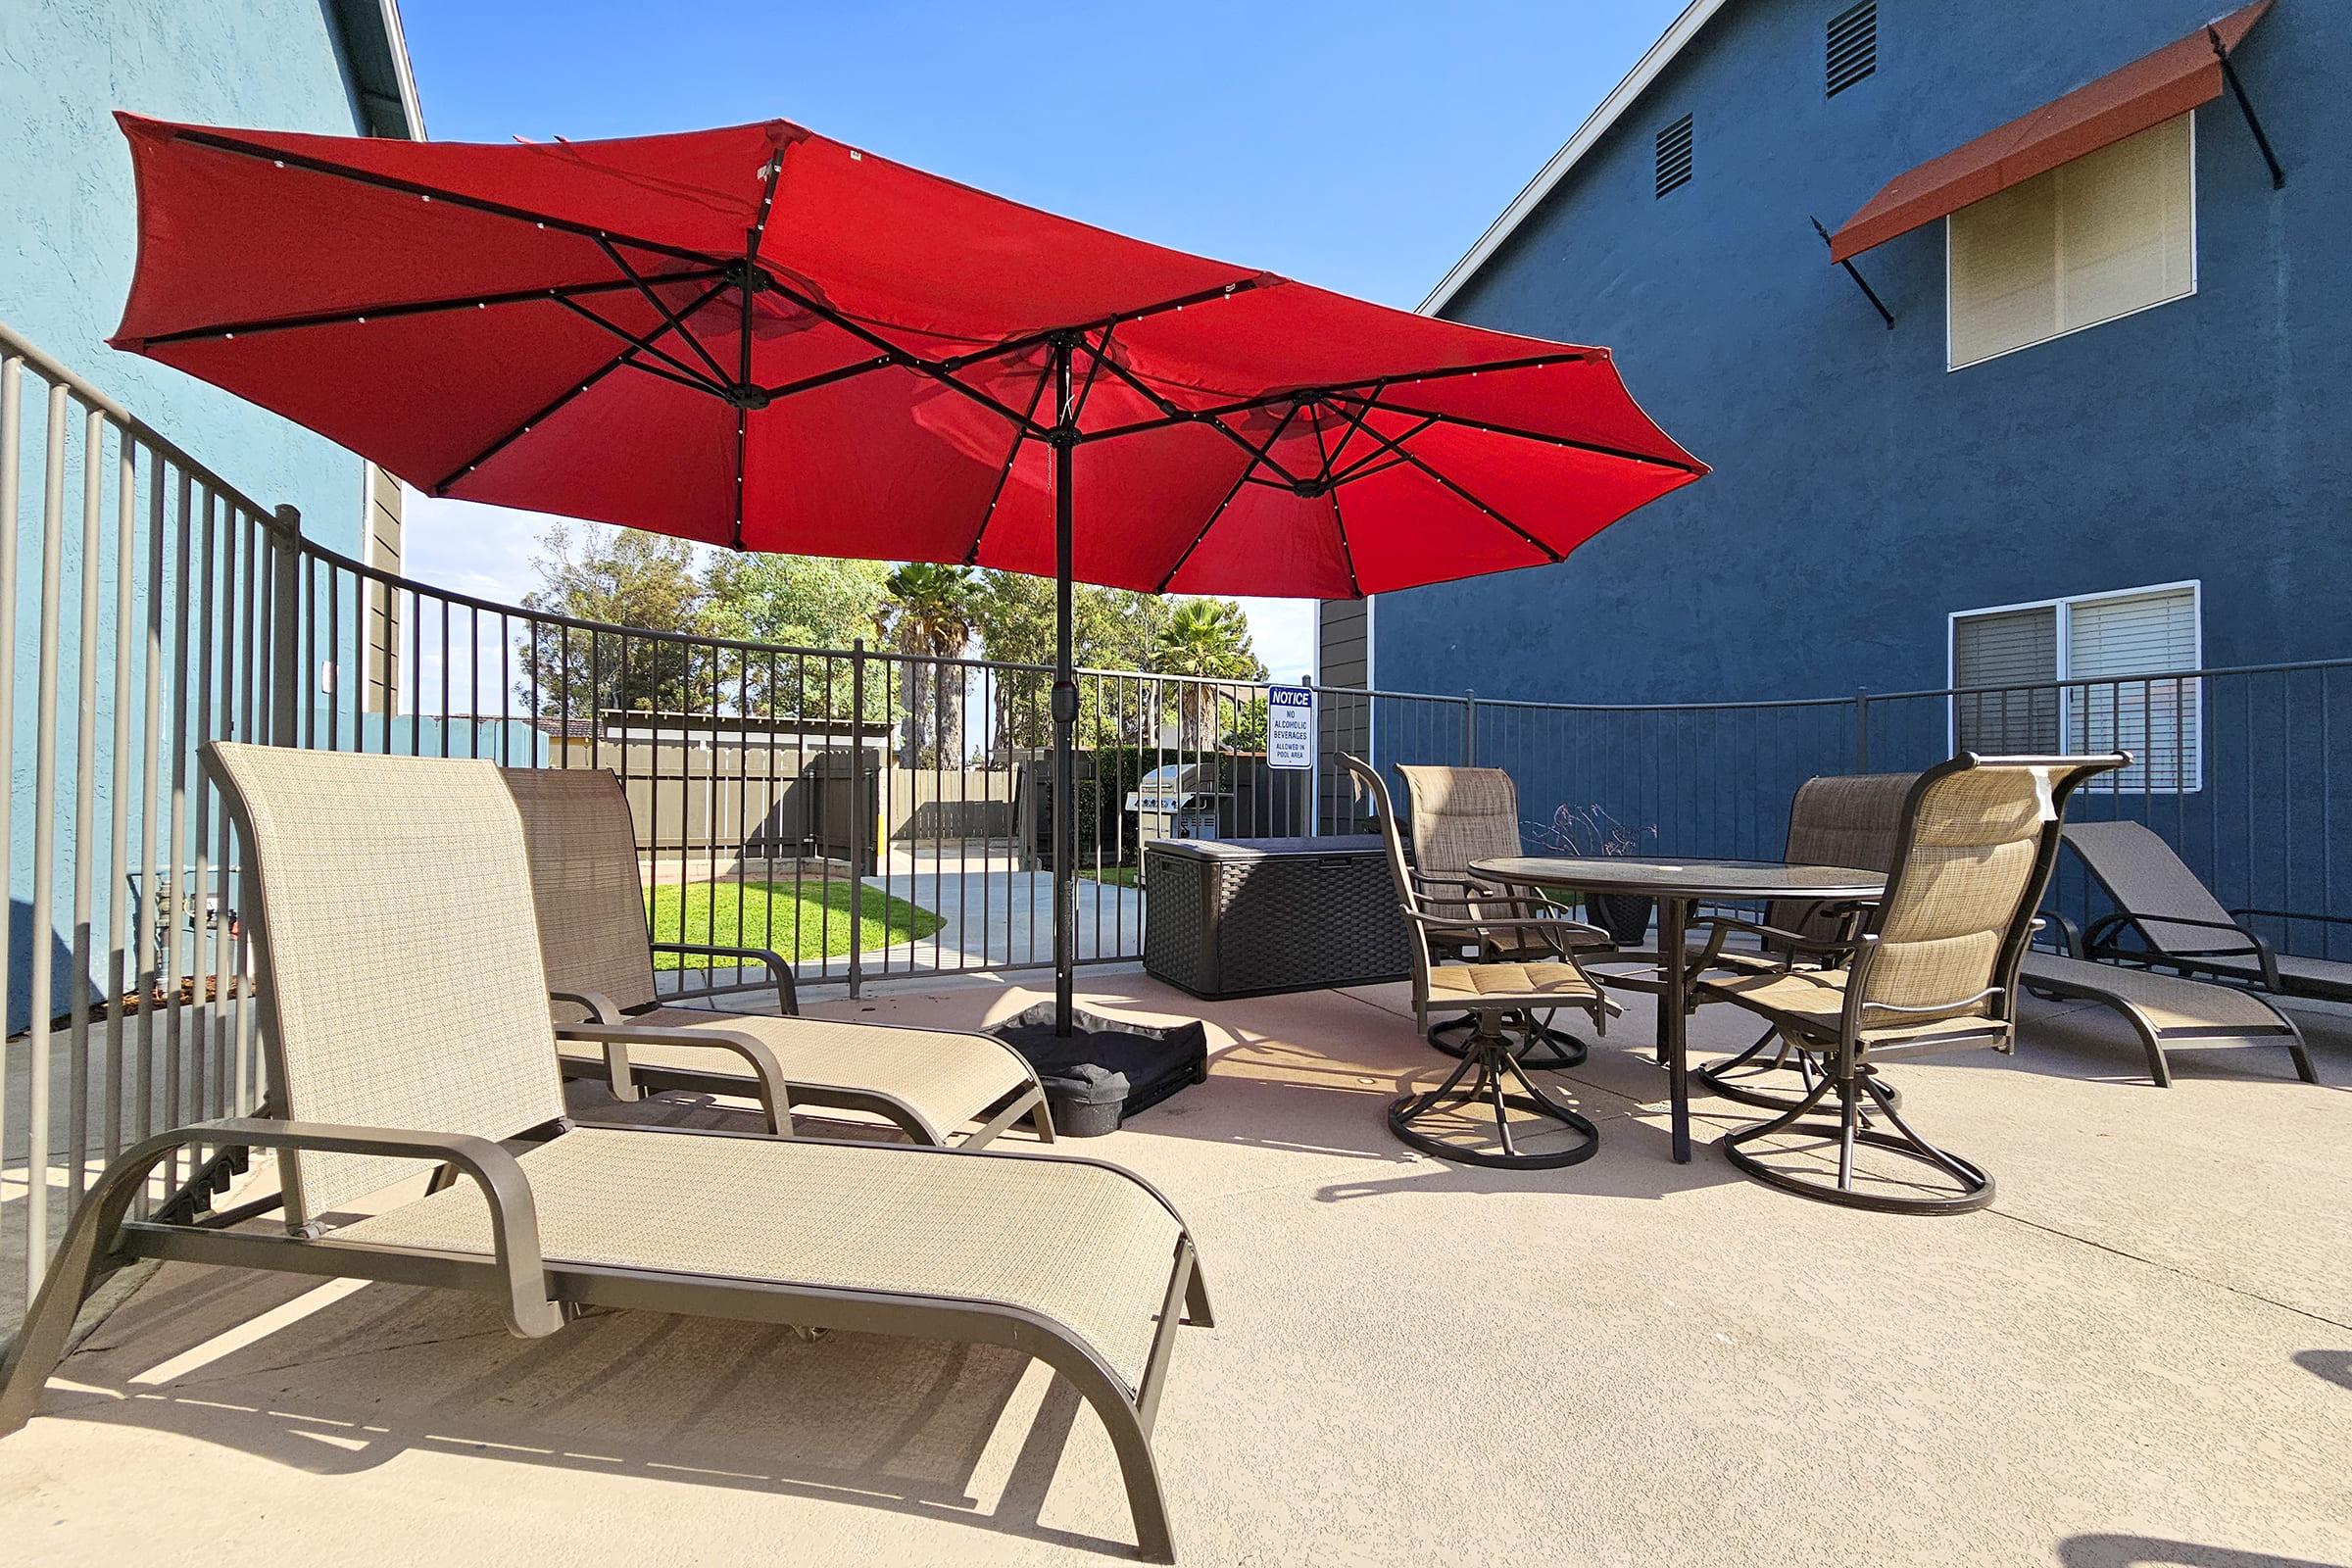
2152,89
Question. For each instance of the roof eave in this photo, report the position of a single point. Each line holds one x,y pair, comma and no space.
1647,70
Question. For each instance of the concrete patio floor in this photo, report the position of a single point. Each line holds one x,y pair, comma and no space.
2140,1353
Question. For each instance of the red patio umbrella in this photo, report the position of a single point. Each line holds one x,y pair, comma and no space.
761,338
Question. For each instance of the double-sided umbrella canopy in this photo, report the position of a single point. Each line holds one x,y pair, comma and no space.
761,338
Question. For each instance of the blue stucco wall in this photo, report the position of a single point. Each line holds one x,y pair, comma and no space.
1861,491
67,238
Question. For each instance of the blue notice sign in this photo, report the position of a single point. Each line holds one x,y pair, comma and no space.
1290,726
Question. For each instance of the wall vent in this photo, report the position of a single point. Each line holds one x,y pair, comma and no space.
1853,46
1674,156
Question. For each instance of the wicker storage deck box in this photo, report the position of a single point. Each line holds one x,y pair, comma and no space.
1240,918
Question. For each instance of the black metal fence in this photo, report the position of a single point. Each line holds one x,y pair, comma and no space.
868,813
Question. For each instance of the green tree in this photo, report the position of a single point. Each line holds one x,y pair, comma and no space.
929,618
797,603
642,581
1110,629
1207,639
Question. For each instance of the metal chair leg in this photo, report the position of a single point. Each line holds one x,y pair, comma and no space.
1489,1059
1547,1046
1975,1187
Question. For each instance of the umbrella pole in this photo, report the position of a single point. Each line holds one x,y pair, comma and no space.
1065,703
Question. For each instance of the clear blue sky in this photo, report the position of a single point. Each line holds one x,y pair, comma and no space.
1362,147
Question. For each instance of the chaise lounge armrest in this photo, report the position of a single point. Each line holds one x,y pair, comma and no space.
2290,915
618,1037
787,995
2099,942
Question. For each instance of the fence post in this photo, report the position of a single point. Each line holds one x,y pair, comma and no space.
859,816
1469,729
1861,730
285,626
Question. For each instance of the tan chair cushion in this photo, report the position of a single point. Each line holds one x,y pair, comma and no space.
1493,984
1814,999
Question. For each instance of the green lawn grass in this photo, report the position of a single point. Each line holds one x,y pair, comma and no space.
1124,876
765,915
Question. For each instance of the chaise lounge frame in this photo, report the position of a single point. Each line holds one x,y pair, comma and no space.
538,1297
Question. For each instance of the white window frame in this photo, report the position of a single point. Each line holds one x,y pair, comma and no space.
2063,605
1949,367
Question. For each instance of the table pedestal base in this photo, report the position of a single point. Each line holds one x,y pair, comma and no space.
1490,1062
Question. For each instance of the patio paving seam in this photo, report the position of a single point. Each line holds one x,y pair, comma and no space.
2168,1268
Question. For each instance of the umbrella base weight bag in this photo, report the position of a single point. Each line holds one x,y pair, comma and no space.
1106,1070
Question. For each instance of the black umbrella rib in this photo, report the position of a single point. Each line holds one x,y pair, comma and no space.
893,354
1258,457
625,357
1376,460
408,187
1104,323
642,343
1332,389
661,308
1339,518
463,302
1355,418
971,556
1680,465
1179,416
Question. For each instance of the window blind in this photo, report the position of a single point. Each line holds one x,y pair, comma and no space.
2109,233
2014,647
2113,639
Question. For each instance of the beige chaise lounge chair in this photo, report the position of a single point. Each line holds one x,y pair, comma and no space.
1457,816
1854,821
592,933
2177,923
1934,966
405,1018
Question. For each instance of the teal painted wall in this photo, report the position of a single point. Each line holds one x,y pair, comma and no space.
68,243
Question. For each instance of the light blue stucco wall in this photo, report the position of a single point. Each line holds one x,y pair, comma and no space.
1861,492
68,241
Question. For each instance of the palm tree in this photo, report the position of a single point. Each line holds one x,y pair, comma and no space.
1206,638
929,617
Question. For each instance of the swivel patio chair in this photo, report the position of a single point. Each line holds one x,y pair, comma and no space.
1855,820
593,936
1934,966
1456,944
1852,820
2173,921
405,1019
1461,815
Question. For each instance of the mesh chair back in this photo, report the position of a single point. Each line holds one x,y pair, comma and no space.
1979,839
582,846
1383,816
1460,814
401,978
1855,819
2141,874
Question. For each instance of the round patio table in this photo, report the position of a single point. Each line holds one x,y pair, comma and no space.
1677,884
